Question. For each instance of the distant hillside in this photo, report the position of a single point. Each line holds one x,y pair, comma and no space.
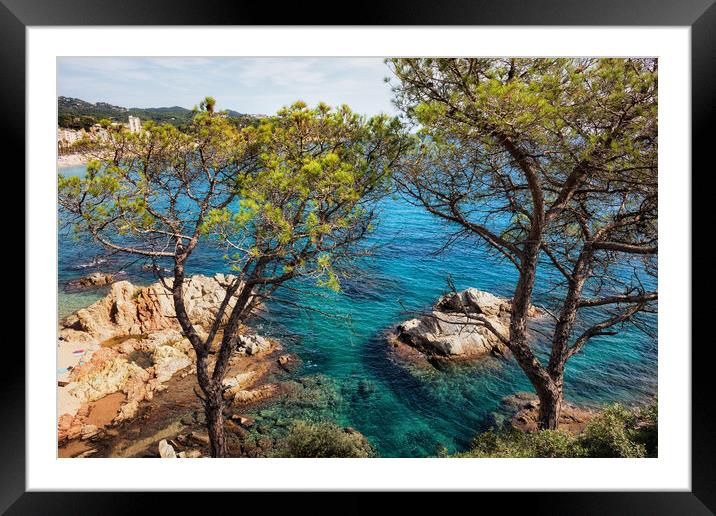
76,114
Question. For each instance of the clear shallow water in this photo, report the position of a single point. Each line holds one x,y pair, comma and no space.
405,411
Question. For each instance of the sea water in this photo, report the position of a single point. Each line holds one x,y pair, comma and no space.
404,410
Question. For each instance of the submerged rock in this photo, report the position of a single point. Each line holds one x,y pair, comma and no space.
453,330
287,362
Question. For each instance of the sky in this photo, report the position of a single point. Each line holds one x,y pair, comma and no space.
253,85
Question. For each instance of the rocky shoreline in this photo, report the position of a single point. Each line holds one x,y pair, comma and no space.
119,352
455,326
127,384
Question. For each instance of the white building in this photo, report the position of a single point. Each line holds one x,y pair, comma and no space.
67,137
135,125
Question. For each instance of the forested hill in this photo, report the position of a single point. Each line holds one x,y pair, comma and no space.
76,113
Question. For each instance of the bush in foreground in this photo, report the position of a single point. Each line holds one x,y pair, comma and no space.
616,432
516,444
319,440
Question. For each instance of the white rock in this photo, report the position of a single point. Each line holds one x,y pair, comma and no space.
253,344
88,431
451,329
167,361
166,450
109,378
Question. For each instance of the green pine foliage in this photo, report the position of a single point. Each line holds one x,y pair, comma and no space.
288,198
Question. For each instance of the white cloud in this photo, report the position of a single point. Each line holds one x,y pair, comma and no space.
246,84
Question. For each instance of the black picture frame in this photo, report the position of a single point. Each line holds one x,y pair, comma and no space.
700,15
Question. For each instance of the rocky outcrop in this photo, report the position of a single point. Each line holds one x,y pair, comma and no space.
287,362
241,388
105,373
115,370
253,344
167,361
96,279
134,310
244,396
130,342
452,328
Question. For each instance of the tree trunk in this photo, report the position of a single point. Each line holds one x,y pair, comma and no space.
548,390
214,410
211,385
550,406
213,407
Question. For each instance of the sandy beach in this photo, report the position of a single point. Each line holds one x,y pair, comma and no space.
72,160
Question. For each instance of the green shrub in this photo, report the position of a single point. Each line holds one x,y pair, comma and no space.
648,428
546,443
612,434
616,432
556,443
317,440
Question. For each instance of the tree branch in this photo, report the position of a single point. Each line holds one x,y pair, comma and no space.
599,329
610,300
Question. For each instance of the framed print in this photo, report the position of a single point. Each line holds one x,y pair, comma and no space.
419,252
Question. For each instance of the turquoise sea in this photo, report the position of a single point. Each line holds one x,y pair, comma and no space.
405,411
